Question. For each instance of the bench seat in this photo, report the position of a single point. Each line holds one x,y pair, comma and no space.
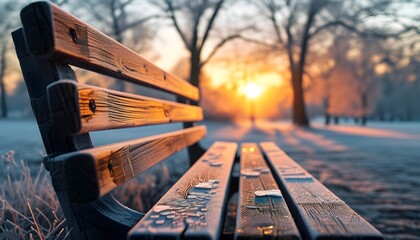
262,211
319,213
194,207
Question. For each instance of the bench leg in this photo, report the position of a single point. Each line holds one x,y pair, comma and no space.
195,151
105,218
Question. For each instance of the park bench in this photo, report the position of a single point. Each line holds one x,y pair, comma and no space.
278,199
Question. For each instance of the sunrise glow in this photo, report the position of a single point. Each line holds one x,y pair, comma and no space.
252,90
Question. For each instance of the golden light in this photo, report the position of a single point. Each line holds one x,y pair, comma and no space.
252,90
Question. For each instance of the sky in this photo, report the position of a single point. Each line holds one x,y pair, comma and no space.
228,69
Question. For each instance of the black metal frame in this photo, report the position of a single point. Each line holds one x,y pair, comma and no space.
105,218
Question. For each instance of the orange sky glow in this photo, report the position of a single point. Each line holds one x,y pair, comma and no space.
230,71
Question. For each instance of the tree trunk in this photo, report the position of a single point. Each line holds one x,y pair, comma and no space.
336,120
2,85
195,68
326,109
327,119
195,71
299,110
364,99
363,121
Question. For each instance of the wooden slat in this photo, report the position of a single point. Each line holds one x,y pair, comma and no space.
192,212
320,214
54,33
260,217
101,109
117,163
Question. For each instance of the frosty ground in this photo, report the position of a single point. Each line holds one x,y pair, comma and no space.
375,169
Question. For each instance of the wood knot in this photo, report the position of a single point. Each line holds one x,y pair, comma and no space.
92,105
73,35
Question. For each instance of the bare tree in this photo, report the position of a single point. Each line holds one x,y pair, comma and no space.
286,22
400,85
194,22
370,56
335,59
297,23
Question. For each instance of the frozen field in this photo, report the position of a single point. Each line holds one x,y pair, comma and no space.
375,169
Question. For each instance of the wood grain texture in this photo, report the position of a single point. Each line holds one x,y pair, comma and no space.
263,217
59,35
192,212
117,163
102,109
319,213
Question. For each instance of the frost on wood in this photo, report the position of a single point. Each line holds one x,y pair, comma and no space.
195,202
254,172
161,208
268,193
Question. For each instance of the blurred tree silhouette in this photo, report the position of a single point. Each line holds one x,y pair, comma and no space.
297,24
194,21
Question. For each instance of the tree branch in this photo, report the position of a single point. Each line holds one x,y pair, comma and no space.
258,42
361,32
139,22
218,46
175,22
272,8
126,3
99,16
210,23
370,11
290,41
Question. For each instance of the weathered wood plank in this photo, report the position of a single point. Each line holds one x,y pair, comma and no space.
319,213
101,109
261,217
194,207
91,173
56,34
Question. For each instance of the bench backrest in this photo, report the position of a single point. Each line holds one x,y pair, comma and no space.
66,111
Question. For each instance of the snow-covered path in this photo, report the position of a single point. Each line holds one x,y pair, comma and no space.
375,169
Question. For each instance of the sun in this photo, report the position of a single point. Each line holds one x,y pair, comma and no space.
252,90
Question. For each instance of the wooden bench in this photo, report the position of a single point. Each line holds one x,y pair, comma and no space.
277,198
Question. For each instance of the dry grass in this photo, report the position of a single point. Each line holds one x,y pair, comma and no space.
29,206
144,191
